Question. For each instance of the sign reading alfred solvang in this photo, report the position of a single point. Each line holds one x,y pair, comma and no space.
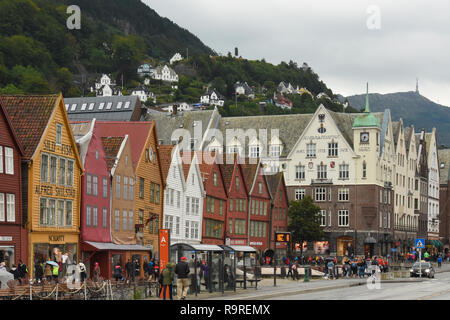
54,191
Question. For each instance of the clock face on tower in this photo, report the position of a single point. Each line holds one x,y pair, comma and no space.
364,137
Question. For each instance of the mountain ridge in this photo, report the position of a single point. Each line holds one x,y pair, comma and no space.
412,107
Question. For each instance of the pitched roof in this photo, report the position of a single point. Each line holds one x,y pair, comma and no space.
205,166
166,124
290,127
227,171
273,181
115,108
29,116
444,171
11,128
136,131
250,170
165,156
111,146
186,161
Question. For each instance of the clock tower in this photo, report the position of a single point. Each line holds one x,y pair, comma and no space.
366,142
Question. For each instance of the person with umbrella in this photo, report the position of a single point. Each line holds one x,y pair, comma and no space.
48,271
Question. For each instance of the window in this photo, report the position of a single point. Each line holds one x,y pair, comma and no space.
230,226
119,105
343,194
157,196
117,220
329,218
91,106
364,167
125,188
94,217
62,171
124,220
343,218
52,212
88,184
43,210
59,133
10,207
88,216
105,187
152,192
275,151
333,149
130,220
220,207
320,194
177,225
321,171
83,106
69,206
343,171
323,218
231,204
127,104
299,194
69,179
94,186
215,179
44,168
60,213
105,218
109,105
118,187
9,160
53,168
260,188
300,172
141,188
1,159
310,150
237,183
186,229
101,105
188,204
254,152
131,189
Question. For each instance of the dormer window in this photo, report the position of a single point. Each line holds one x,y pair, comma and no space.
254,152
275,150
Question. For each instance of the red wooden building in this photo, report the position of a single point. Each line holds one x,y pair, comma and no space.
236,228
13,235
215,202
259,200
280,205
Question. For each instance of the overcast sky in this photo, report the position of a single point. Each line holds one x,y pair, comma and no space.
347,43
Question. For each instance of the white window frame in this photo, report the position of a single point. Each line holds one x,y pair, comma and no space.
343,216
9,160
332,149
320,194
300,194
310,150
300,172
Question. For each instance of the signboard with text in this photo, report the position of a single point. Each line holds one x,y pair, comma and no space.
164,254
282,236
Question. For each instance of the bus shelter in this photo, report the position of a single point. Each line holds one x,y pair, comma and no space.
205,263
240,266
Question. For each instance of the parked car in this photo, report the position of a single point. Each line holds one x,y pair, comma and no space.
426,267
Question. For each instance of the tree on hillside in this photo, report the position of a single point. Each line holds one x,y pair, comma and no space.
128,52
304,222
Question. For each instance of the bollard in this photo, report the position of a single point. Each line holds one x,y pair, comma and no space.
306,278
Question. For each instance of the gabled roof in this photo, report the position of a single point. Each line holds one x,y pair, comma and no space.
209,92
227,171
29,115
274,181
11,128
115,108
138,133
250,170
165,155
111,146
186,162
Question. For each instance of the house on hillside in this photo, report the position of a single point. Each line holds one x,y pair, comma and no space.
143,93
164,73
212,97
176,57
106,87
285,88
282,102
145,69
244,89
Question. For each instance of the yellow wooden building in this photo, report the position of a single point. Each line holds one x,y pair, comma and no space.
51,175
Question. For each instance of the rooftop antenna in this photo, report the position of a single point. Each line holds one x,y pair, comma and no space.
417,85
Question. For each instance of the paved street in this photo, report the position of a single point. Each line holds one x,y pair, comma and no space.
345,289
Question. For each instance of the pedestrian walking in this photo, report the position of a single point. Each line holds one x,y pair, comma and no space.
82,271
137,268
118,272
166,279
151,266
439,261
48,272
295,275
39,271
130,270
97,272
55,273
182,272
330,266
290,272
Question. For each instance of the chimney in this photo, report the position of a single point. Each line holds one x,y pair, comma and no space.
174,109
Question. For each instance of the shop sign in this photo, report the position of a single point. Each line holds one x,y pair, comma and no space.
55,238
5,238
51,146
238,242
44,190
256,243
